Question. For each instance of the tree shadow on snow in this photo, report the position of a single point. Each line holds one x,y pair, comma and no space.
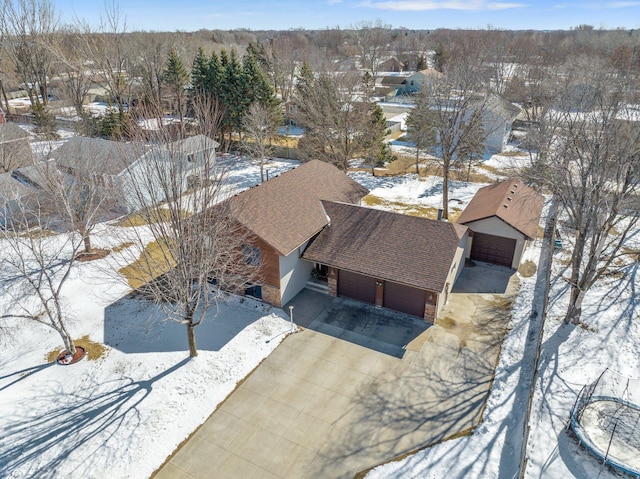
39,445
135,325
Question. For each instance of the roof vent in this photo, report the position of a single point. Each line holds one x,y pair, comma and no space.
512,192
509,198
506,206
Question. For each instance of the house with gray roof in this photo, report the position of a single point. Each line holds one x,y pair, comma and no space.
134,172
15,150
498,116
14,199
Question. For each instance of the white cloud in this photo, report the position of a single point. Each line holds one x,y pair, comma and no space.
623,4
423,5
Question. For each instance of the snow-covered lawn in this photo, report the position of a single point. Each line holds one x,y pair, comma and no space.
122,414
570,358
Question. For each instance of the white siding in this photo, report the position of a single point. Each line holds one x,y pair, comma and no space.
497,227
457,266
294,274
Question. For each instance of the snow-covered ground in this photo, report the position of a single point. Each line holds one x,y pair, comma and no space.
570,358
120,416
123,414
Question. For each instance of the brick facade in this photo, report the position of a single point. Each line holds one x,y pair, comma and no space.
332,282
430,312
271,295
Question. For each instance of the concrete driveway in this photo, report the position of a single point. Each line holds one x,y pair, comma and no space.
336,398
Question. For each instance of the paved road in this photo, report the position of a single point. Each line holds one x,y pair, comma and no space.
328,404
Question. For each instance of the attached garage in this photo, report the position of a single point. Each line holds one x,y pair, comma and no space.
404,263
357,286
406,299
493,249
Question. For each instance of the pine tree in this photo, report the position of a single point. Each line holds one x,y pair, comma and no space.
199,72
44,121
176,77
215,72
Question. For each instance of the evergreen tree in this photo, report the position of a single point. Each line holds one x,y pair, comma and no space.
45,122
232,93
200,72
214,75
377,151
440,57
176,77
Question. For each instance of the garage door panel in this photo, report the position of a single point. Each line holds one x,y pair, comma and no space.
357,286
493,249
404,298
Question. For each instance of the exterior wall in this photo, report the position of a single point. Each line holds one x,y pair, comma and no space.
332,282
496,130
270,266
497,227
271,295
457,265
294,273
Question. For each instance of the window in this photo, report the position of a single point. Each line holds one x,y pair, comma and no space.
251,254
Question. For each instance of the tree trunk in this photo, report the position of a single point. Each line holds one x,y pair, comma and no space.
4,96
67,341
575,306
418,161
445,192
86,238
191,335
261,170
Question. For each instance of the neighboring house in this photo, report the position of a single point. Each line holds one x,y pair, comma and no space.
14,198
15,150
391,64
389,86
497,121
307,223
401,262
118,165
420,79
502,218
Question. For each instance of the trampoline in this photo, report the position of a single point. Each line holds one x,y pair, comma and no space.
606,420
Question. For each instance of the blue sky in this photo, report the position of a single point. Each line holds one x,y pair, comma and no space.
189,15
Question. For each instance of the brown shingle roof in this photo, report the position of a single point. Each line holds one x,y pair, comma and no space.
510,200
405,249
286,211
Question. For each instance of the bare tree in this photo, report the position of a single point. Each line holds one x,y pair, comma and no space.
287,53
336,119
198,252
29,28
109,53
260,128
372,39
447,118
588,155
36,264
75,74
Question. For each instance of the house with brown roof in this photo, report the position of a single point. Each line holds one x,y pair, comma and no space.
283,215
502,217
400,262
307,223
